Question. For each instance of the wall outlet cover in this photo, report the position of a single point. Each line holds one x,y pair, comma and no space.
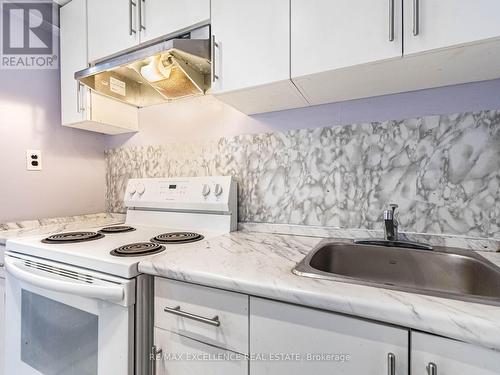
33,160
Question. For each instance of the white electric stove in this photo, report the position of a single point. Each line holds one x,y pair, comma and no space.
79,294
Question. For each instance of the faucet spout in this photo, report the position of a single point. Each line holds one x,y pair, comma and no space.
392,238
391,223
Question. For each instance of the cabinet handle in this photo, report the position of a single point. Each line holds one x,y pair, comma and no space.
142,25
432,368
154,353
78,97
79,104
416,17
177,311
391,20
215,45
391,364
131,4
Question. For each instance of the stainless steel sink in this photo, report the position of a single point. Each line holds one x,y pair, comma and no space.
443,272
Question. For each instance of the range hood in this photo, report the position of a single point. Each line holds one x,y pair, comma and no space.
157,73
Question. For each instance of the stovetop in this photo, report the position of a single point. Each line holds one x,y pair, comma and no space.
158,211
97,255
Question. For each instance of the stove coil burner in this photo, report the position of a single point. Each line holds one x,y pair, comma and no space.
138,249
117,229
177,237
72,237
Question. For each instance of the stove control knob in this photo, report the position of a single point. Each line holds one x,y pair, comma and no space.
218,190
132,189
205,191
141,189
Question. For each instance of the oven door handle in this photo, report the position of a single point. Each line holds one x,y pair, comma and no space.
109,293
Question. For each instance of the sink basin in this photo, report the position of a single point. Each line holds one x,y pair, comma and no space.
443,272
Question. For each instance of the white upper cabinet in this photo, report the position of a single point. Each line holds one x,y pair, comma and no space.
339,48
118,25
351,49
161,17
112,27
435,355
434,24
81,108
362,347
73,39
253,43
333,34
252,55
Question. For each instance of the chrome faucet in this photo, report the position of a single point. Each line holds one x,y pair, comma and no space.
392,236
391,223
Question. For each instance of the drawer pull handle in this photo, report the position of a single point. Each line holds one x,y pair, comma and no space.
177,311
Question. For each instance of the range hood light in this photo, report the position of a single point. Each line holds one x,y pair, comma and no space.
168,70
151,72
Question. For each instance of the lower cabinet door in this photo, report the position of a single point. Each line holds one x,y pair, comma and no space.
184,356
294,340
435,355
2,325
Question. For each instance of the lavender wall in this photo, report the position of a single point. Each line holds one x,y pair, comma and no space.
200,119
73,177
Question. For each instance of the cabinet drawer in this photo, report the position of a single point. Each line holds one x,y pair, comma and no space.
181,356
213,316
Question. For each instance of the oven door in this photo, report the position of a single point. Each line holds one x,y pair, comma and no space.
66,321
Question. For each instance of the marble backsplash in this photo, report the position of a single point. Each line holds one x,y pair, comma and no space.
443,171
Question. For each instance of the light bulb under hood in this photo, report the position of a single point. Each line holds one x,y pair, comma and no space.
169,70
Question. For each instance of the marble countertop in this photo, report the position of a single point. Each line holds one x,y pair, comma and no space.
56,225
261,264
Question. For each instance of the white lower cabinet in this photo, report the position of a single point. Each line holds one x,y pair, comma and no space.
184,356
2,325
202,330
433,355
213,316
289,339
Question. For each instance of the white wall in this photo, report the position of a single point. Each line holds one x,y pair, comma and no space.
204,118
72,181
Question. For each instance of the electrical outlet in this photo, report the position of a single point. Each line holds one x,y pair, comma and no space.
33,160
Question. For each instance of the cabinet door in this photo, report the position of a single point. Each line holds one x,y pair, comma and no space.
253,43
445,23
161,17
332,34
2,325
293,340
449,357
112,27
79,107
73,57
183,356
